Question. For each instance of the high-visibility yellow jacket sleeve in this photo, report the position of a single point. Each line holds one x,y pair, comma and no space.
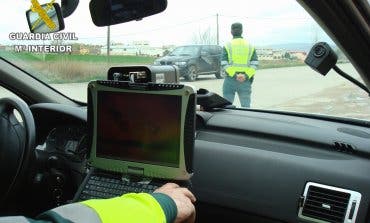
130,208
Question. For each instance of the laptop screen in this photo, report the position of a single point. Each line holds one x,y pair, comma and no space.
137,127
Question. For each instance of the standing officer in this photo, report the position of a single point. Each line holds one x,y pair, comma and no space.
240,62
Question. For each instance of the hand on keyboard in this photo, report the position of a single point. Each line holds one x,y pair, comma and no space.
104,187
184,200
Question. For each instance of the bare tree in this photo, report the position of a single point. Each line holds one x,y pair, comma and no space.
205,37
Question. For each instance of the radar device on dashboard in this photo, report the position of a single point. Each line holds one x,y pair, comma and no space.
145,74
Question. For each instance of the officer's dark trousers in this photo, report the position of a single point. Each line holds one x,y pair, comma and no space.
244,90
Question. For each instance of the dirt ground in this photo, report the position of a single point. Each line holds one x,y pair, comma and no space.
345,100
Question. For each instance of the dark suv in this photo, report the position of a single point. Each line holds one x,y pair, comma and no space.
194,60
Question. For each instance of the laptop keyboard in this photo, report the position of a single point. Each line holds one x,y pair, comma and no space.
105,187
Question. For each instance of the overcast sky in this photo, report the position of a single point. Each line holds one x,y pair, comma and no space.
265,22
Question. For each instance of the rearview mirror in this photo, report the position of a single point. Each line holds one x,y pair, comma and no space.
106,13
45,18
68,7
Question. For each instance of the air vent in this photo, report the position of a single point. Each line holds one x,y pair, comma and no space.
326,204
322,203
344,147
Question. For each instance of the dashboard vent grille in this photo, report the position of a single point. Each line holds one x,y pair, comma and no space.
326,204
343,147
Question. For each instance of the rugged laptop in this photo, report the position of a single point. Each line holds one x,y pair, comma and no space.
141,136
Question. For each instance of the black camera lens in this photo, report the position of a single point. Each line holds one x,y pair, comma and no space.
319,51
321,58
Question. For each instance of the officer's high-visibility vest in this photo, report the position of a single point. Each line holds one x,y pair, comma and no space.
239,52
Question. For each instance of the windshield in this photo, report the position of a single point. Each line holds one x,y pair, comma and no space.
279,36
185,51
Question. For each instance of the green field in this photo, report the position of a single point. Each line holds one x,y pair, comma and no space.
267,64
64,68
82,58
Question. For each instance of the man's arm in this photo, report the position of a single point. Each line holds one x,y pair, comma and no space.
225,57
254,60
167,204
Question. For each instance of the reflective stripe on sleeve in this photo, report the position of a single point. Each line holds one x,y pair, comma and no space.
17,219
77,213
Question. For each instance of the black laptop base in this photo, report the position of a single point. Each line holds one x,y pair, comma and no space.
100,184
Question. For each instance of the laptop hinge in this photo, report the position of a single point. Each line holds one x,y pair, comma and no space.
135,171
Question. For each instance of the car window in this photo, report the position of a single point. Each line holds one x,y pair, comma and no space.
279,36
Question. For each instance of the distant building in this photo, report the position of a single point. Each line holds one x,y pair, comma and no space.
265,54
299,55
120,50
270,54
152,51
140,43
136,48
84,49
279,54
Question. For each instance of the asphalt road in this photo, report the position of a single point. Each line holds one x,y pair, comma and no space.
292,88
276,86
271,86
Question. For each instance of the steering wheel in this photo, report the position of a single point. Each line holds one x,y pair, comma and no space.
17,141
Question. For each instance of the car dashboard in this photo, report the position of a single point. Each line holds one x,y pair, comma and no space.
248,165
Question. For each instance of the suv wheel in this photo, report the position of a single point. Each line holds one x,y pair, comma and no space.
192,74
